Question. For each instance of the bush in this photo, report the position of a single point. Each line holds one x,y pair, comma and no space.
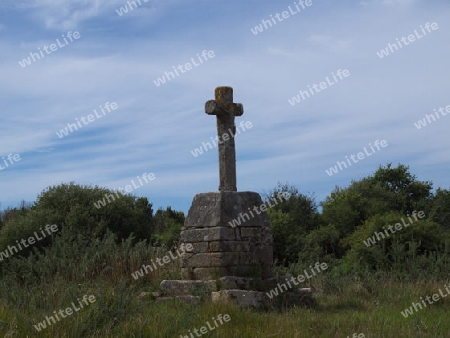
410,249
290,221
70,205
167,227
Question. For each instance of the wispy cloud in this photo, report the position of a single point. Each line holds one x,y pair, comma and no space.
155,128
330,43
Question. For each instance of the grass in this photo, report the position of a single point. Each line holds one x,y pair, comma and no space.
32,288
119,312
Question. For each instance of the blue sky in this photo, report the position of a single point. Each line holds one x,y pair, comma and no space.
155,128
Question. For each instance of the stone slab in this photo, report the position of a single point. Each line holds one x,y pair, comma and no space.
208,235
186,287
213,272
262,234
233,282
219,208
221,246
213,259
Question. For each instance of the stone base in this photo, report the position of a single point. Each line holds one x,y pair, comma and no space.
246,292
228,237
218,272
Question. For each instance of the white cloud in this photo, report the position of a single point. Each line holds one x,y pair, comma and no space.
155,128
329,43
69,14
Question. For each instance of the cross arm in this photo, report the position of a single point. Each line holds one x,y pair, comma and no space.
214,108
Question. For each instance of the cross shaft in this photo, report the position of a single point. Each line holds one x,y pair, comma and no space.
225,111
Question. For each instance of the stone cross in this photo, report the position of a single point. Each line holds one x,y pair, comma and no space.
225,110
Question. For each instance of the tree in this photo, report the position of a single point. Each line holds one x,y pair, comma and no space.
290,221
11,214
347,208
410,194
73,206
167,227
440,210
387,190
376,245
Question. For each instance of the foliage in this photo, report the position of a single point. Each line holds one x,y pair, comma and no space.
290,221
10,214
410,249
387,190
440,210
96,250
410,194
71,205
167,227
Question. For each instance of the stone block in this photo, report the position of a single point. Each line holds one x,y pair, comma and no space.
213,259
186,287
232,246
211,273
208,234
198,247
203,273
265,257
251,232
219,208
262,235
233,282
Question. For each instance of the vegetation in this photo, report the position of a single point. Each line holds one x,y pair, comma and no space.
96,250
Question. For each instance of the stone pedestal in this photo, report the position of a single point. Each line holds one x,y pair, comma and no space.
231,254
230,236
244,291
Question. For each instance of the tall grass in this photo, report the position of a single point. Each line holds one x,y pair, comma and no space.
363,301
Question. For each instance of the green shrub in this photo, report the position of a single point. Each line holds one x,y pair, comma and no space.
410,249
70,205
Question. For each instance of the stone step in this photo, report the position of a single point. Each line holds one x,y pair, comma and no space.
233,282
187,287
258,299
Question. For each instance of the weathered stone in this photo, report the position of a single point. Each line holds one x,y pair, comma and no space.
213,272
186,287
221,246
224,207
199,247
263,234
208,235
265,256
225,110
213,259
233,282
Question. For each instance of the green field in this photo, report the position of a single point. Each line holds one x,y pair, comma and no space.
345,305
